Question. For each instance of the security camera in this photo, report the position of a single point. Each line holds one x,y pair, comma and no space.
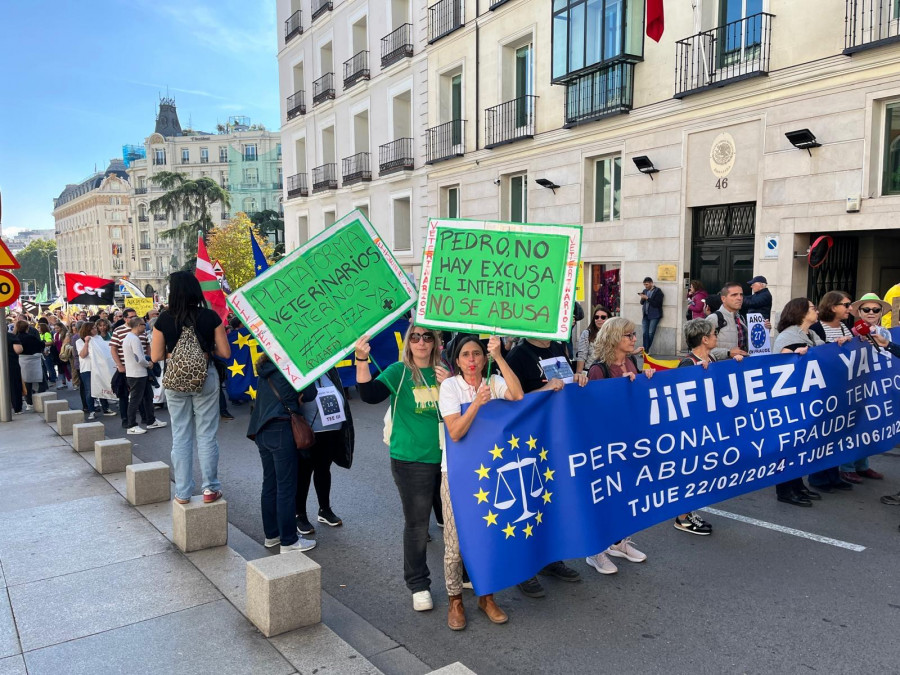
497,181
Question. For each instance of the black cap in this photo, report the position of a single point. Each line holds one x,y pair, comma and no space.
759,279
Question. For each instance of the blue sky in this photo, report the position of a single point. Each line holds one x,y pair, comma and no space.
81,79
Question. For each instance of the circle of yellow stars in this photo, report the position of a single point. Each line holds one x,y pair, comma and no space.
484,472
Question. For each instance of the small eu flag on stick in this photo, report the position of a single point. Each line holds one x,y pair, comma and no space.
260,264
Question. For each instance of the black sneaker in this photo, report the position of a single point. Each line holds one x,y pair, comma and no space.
227,416
693,524
561,571
532,588
327,516
304,526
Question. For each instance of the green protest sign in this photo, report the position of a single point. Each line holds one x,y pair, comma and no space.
501,278
308,310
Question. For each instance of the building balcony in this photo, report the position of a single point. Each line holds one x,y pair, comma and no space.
509,122
296,104
604,92
277,186
159,161
292,27
140,191
356,68
204,160
248,186
445,141
356,168
444,17
159,216
323,88
730,53
296,186
144,246
319,7
185,160
251,158
397,45
870,23
396,156
324,178
143,219
495,4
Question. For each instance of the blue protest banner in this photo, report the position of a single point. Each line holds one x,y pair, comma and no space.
564,475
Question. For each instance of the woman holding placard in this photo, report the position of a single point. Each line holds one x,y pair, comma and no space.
469,386
415,441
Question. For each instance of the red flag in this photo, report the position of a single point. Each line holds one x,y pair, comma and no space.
655,21
83,289
206,275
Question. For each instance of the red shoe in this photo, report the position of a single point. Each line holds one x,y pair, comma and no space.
871,473
850,476
209,496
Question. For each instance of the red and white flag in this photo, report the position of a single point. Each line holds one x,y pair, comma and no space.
655,20
206,275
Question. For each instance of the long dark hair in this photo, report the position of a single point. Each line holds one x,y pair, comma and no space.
827,303
793,313
458,347
185,298
592,327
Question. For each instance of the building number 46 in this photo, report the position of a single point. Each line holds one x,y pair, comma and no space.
722,184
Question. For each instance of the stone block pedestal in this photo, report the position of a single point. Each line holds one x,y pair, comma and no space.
52,407
284,592
113,455
85,435
147,483
196,525
66,419
38,400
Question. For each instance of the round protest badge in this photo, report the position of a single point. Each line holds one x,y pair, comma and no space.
9,288
758,335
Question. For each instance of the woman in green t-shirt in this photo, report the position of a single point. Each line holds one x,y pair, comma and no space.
412,384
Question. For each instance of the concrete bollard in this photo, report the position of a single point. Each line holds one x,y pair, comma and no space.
38,400
113,455
85,435
196,525
147,483
51,408
66,419
284,592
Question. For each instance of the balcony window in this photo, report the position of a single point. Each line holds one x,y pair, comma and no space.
296,104
445,141
223,154
323,88
324,178
510,121
608,91
871,23
159,157
590,34
356,68
250,152
185,156
356,168
292,26
319,7
204,155
444,17
397,45
607,191
396,156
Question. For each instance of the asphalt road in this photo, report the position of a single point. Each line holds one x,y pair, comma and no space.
748,599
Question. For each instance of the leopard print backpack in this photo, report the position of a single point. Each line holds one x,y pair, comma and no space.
186,368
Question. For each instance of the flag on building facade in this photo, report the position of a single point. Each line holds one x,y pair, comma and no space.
655,20
206,275
260,264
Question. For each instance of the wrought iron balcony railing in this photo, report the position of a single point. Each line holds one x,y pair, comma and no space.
356,168
319,7
444,17
510,121
445,141
144,245
140,190
159,216
324,178
732,52
204,160
323,88
356,68
396,156
495,4
870,23
396,45
159,161
144,219
292,26
604,92
296,104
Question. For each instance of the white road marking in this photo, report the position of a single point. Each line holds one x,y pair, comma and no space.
787,530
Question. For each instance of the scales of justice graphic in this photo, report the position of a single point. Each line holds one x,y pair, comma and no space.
505,497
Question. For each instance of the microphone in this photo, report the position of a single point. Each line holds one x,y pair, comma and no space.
863,329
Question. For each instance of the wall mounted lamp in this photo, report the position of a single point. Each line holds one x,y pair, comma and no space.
803,139
644,165
549,184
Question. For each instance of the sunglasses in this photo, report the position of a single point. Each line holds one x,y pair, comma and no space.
602,317
870,310
843,304
631,336
415,337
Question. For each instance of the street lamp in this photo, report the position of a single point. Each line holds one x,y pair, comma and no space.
49,255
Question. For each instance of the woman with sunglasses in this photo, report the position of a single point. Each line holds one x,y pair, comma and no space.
412,385
587,337
613,351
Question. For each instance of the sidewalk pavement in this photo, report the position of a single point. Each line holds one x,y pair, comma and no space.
90,584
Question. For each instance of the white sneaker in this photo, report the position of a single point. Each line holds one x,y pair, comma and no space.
92,416
157,425
624,549
272,543
300,545
602,563
110,413
422,601
27,408
61,385
136,430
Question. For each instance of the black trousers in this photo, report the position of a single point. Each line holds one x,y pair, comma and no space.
787,488
315,465
15,384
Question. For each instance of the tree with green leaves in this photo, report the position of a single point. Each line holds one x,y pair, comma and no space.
37,261
192,197
270,225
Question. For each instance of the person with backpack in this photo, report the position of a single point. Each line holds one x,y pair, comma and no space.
733,330
614,357
186,335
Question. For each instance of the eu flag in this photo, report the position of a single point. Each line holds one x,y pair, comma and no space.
260,264
240,384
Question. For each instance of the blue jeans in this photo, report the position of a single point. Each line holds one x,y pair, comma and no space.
857,465
195,416
649,328
51,368
415,483
279,487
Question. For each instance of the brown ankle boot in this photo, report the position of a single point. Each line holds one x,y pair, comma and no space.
456,615
487,605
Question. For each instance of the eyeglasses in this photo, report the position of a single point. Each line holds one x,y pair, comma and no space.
716,331
602,317
415,337
813,308
843,304
870,310
631,336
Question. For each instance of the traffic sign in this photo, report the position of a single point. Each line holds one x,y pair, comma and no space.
9,288
7,259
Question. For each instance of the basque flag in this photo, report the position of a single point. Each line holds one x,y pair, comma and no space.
82,289
260,264
206,275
